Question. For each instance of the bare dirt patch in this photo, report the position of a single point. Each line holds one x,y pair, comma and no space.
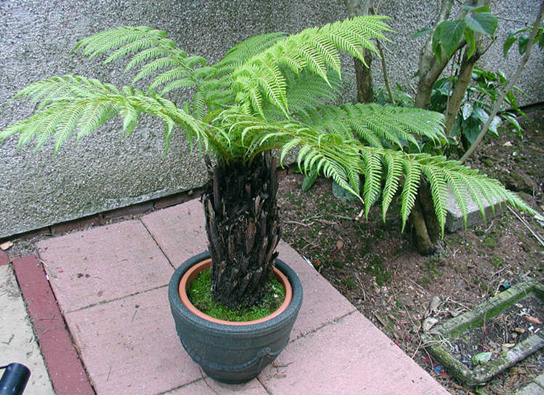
375,266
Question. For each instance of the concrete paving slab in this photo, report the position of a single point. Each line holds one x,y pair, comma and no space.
65,368
531,389
130,346
350,356
179,231
454,216
17,341
207,386
322,303
540,380
103,264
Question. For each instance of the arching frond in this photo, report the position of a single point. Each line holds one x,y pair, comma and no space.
375,124
152,52
315,49
75,103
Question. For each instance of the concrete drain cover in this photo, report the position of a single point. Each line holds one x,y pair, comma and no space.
483,342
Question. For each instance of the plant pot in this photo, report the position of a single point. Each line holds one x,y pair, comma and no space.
232,352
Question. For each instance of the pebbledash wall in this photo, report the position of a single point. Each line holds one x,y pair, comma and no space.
103,171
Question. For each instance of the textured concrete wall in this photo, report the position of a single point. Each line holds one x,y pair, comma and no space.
103,171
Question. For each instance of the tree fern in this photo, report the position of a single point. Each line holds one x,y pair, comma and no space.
269,92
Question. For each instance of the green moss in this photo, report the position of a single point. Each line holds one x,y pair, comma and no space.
200,296
349,283
376,268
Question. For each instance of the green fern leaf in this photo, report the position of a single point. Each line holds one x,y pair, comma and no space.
412,171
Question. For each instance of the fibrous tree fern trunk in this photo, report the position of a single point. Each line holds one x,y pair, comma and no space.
243,229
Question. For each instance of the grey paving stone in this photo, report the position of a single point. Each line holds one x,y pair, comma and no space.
531,389
17,341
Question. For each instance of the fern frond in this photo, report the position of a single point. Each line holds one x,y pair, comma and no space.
151,51
412,171
375,124
245,50
106,41
85,105
315,49
373,184
439,193
392,181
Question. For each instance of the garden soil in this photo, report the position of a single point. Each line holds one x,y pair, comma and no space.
377,268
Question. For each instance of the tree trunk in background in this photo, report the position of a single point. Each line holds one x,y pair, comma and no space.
242,224
423,218
363,74
463,81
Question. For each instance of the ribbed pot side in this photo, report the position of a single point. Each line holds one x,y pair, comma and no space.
233,354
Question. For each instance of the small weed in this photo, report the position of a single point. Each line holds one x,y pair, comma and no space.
349,284
497,262
424,281
378,234
375,267
490,240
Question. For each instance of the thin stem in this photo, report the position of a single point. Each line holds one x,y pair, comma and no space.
509,87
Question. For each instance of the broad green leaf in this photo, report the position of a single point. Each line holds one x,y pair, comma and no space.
421,32
523,43
471,128
510,40
481,358
467,110
495,123
469,38
451,33
340,192
483,8
513,121
483,22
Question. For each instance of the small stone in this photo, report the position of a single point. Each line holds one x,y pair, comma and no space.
428,323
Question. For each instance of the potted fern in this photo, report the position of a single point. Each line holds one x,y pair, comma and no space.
269,92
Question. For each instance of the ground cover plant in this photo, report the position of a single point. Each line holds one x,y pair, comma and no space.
268,92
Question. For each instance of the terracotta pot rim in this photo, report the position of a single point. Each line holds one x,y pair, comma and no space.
192,273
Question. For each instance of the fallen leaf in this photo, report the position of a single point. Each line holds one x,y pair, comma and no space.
506,346
507,144
434,304
532,320
428,323
6,245
481,358
519,330
339,244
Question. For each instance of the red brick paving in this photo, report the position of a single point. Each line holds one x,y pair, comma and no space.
65,369
4,259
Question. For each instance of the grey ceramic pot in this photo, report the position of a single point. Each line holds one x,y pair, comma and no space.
233,353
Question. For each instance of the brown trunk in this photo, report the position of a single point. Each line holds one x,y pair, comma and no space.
242,224
454,103
425,222
363,74
424,244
